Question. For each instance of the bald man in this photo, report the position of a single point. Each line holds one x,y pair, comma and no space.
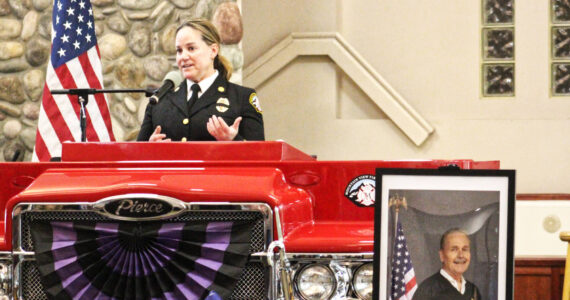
449,283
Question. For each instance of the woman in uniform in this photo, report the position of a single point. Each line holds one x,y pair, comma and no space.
206,106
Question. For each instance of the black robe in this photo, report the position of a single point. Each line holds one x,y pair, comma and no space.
222,98
437,287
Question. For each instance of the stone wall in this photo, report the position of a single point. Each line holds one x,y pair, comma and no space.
136,41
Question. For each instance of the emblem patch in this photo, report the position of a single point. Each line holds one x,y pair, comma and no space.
255,102
223,104
362,190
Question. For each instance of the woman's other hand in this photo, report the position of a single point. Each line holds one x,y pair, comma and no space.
218,128
157,136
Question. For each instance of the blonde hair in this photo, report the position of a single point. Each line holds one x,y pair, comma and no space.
210,36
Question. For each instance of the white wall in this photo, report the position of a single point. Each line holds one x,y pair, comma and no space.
530,220
428,51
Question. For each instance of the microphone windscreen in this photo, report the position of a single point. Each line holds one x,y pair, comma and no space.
175,77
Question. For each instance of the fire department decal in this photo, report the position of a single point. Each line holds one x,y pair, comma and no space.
362,190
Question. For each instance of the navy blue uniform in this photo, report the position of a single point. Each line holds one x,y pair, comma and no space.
222,98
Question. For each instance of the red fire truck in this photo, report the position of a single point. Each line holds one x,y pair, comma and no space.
224,220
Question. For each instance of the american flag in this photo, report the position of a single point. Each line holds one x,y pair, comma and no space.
75,62
403,277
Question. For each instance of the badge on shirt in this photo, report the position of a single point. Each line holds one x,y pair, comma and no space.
255,102
222,105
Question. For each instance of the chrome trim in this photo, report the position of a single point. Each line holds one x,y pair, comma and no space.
22,208
177,206
19,255
278,224
17,277
6,275
364,256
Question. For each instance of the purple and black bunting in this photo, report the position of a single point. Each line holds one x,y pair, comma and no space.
141,260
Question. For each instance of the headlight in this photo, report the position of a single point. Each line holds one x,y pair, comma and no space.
315,282
362,281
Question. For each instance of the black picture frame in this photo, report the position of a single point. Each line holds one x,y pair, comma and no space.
479,202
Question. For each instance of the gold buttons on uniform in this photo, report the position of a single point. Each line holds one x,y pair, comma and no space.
221,89
185,121
183,139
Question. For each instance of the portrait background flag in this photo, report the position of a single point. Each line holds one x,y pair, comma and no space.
404,283
75,62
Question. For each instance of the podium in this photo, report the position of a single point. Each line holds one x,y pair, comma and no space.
182,151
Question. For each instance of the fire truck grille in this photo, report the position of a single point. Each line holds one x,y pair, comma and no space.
253,283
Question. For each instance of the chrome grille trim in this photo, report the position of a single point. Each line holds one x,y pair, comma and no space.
26,276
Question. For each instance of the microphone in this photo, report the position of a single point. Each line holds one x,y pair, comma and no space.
171,80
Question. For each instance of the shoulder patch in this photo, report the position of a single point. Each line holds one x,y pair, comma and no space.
255,102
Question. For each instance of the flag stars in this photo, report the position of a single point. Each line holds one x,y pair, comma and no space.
78,31
61,52
70,12
88,38
80,19
90,12
67,25
401,268
89,24
64,38
59,5
82,5
76,44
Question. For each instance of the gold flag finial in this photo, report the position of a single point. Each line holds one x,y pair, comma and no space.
396,201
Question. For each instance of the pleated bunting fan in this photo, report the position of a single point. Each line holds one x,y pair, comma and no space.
141,260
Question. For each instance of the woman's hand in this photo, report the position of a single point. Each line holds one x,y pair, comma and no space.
218,128
157,136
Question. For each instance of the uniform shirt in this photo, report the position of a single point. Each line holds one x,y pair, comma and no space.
453,281
205,84
222,98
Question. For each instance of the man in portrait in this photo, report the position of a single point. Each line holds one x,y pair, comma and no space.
449,283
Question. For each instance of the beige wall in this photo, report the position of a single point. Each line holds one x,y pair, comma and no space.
429,52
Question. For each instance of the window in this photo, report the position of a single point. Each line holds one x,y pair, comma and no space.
498,48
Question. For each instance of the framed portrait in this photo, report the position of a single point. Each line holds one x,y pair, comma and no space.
444,234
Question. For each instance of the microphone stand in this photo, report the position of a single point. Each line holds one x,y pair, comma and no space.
82,99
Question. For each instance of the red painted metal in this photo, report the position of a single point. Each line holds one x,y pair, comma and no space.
315,214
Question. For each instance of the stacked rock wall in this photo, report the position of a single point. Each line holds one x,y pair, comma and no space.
136,41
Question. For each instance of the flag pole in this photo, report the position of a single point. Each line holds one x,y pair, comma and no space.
83,97
396,202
